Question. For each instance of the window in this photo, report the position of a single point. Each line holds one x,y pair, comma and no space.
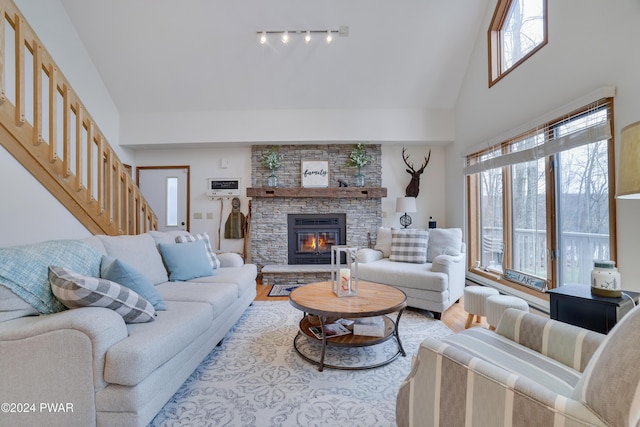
542,203
172,201
518,29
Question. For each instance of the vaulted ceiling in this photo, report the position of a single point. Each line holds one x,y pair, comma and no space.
204,55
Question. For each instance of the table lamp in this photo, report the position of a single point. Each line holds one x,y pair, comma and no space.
405,204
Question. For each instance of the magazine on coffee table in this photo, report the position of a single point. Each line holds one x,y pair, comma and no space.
332,330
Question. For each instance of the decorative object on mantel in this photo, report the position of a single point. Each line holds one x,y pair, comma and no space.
344,276
272,161
342,183
359,159
405,204
315,174
413,188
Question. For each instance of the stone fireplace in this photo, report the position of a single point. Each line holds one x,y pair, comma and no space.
271,207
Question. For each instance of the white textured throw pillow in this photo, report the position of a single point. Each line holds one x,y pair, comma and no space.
75,290
383,241
409,245
213,259
444,241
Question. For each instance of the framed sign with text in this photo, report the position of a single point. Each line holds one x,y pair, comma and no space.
526,280
315,174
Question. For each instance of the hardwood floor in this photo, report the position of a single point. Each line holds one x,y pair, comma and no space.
455,317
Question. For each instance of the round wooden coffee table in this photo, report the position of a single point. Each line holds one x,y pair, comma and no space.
373,299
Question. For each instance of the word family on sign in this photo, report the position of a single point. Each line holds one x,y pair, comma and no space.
315,174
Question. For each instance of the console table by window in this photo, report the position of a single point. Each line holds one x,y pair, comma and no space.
576,305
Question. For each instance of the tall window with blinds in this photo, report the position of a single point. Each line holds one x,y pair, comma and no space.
542,203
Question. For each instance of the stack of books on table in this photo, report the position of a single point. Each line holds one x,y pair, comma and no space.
369,326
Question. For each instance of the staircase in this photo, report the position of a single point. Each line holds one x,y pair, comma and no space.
45,126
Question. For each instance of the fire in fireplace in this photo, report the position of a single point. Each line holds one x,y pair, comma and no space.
310,237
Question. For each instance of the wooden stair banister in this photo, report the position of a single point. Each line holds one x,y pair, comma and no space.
46,127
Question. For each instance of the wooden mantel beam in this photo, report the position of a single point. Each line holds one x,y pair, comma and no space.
330,192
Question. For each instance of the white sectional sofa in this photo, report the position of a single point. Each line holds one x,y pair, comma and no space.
428,265
106,371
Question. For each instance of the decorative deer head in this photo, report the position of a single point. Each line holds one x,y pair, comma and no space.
413,188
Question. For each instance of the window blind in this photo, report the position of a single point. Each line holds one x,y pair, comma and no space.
587,126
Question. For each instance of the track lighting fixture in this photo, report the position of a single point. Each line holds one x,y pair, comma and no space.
285,35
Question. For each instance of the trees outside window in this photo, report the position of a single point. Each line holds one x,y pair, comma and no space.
541,203
518,29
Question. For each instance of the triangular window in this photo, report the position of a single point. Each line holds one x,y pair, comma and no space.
518,29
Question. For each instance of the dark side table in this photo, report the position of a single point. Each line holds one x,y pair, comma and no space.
575,304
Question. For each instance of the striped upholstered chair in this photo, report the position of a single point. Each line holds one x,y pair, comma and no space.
531,371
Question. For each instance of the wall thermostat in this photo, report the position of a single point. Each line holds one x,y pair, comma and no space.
223,187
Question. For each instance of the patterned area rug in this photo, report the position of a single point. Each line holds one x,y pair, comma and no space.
282,290
255,378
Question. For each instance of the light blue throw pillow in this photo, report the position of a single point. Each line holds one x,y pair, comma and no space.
122,273
186,261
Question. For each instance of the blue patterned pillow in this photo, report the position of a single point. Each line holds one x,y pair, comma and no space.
75,291
24,269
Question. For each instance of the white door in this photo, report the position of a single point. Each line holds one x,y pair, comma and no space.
166,191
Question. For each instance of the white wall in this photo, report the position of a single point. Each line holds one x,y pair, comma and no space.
589,47
30,213
287,126
430,200
205,163
49,20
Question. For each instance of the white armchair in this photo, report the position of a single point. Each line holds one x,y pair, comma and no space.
435,284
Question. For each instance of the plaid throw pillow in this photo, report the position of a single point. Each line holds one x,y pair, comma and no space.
409,245
74,291
213,259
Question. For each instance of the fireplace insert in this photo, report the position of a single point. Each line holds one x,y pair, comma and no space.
310,237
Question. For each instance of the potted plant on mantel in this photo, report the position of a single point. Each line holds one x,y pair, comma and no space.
359,158
272,161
